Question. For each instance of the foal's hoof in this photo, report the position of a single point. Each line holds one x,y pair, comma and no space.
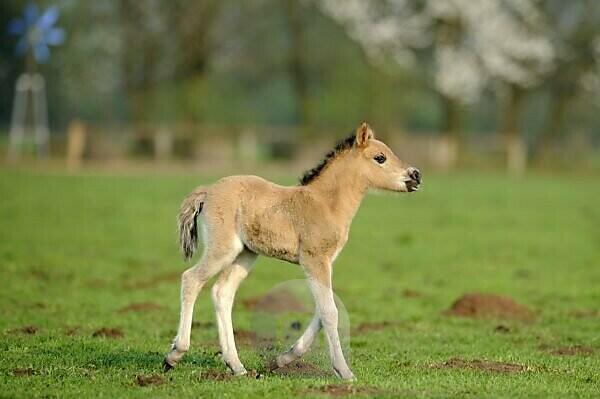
240,373
166,366
347,375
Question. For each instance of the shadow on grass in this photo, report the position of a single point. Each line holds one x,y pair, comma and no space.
99,355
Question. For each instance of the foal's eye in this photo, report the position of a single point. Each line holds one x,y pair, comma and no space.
380,158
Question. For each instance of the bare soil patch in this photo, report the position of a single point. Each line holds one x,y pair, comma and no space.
282,301
220,375
141,307
501,328
28,330
215,375
477,305
367,327
300,369
23,372
152,281
146,380
108,333
245,337
574,350
584,314
408,293
482,365
344,390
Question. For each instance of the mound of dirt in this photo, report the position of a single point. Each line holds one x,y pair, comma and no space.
72,330
482,365
299,369
108,333
574,350
281,301
344,390
477,305
141,307
145,380
23,372
29,330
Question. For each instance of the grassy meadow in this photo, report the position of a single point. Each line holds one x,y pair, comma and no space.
90,291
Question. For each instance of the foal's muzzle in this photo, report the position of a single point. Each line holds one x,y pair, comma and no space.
412,184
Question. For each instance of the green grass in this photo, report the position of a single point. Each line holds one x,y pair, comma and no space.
76,249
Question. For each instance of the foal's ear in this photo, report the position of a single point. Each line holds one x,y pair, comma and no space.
364,133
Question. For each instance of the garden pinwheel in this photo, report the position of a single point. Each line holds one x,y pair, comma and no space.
37,32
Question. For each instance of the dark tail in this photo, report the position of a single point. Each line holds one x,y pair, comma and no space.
188,228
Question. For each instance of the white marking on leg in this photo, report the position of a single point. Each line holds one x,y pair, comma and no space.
192,281
223,296
328,314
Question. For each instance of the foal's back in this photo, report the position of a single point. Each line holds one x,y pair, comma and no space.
268,218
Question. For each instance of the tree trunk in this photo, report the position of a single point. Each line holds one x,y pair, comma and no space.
296,67
516,150
133,77
552,127
447,155
193,30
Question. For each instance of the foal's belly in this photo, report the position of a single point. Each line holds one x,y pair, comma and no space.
271,235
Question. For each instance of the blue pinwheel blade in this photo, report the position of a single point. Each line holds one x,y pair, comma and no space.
30,14
41,53
48,18
16,27
54,36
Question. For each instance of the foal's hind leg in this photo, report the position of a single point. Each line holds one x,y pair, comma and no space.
215,258
223,293
302,345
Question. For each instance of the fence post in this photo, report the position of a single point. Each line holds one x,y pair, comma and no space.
76,142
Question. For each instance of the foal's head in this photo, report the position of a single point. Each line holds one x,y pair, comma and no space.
372,160
380,166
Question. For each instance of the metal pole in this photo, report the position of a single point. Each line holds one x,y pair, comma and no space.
40,112
19,114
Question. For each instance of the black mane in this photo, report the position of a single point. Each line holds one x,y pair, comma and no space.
341,146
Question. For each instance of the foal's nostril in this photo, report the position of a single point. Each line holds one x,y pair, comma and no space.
414,174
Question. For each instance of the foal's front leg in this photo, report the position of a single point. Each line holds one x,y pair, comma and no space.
319,280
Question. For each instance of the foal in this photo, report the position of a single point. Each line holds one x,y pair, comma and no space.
243,216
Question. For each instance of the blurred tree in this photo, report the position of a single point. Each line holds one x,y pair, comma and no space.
294,13
577,40
473,45
192,22
10,65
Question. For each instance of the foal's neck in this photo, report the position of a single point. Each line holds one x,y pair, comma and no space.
342,187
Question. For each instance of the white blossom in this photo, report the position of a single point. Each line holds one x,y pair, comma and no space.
474,42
